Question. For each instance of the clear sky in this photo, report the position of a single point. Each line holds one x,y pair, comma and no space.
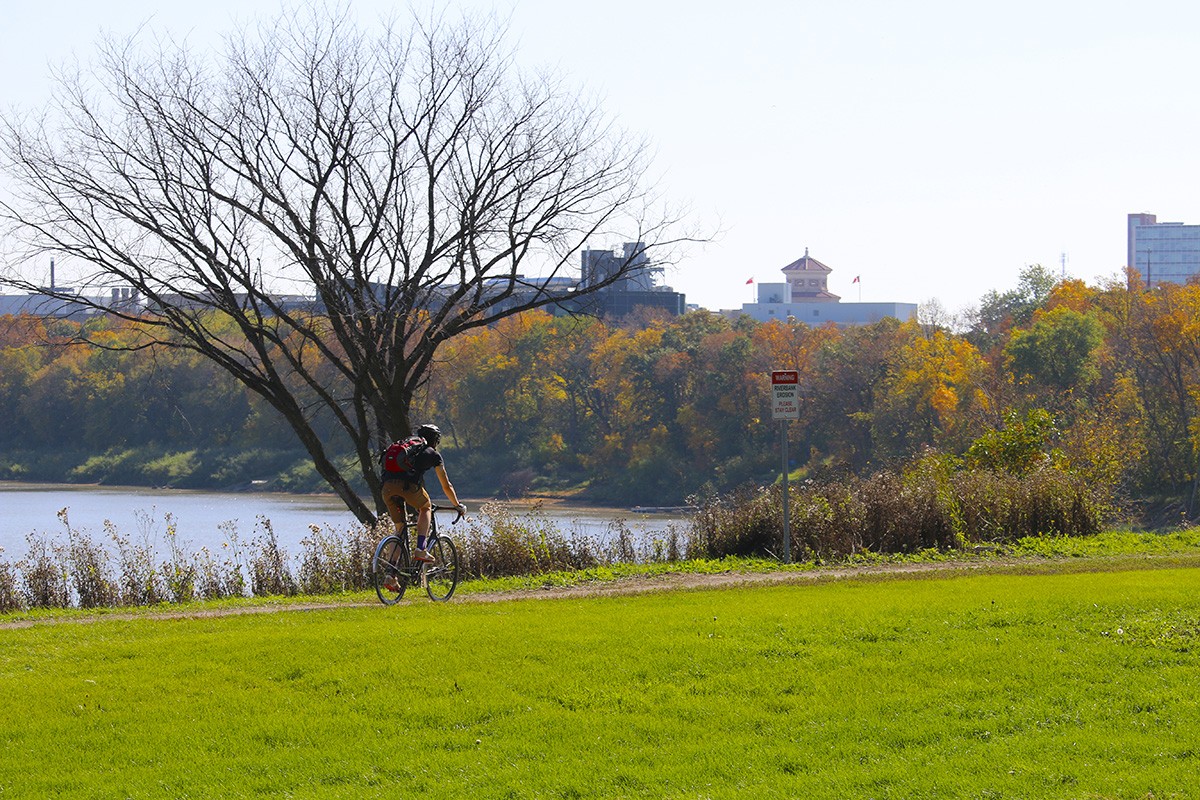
933,148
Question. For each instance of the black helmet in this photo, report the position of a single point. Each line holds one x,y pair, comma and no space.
430,433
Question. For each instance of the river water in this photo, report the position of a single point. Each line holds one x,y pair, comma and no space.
205,519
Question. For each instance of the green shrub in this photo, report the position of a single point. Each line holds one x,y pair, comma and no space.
1020,446
172,468
108,467
241,468
13,470
302,476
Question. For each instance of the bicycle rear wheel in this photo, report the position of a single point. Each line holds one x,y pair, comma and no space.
389,570
441,577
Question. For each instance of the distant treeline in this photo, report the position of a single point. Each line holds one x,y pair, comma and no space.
1102,383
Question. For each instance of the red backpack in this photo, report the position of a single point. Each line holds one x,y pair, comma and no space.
398,457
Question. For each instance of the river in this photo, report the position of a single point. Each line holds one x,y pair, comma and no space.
204,519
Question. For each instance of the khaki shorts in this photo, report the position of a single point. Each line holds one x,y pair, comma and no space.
396,493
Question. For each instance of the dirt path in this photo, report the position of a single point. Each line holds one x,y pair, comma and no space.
674,581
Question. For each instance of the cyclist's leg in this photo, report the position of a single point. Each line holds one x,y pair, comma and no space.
423,517
424,508
393,497
397,494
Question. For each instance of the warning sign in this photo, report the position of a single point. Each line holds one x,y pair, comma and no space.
785,395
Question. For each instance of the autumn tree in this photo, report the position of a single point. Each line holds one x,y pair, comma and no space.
1057,350
935,394
851,365
1155,338
719,395
519,394
999,312
410,177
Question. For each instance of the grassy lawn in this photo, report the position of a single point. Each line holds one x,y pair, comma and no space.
1079,685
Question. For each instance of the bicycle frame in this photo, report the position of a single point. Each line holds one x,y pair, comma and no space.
393,569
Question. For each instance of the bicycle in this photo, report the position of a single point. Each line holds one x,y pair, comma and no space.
393,569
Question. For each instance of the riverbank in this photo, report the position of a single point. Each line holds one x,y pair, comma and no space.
550,501
209,519
228,469
225,469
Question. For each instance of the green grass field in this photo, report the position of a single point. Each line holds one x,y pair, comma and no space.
1004,685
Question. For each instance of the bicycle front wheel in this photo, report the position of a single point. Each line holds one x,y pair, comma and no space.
389,570
441,576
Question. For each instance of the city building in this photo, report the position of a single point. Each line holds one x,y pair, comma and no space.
1162,252
805,297
40,305
634,284
638,287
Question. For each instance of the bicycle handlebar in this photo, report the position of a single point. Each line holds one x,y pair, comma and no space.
459,509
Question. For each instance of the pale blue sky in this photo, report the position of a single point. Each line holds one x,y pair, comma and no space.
933,147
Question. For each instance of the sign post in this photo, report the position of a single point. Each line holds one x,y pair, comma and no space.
785,407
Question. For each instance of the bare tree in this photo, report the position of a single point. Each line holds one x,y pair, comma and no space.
409,177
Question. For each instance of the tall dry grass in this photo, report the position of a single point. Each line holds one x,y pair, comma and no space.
156,565
930,506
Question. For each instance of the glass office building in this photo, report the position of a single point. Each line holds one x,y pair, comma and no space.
1162,252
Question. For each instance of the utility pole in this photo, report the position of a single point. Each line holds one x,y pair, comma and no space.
785,407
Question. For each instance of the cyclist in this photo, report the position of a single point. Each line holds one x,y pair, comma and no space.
408,487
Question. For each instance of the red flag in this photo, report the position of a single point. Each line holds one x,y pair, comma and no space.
750,281
855,279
